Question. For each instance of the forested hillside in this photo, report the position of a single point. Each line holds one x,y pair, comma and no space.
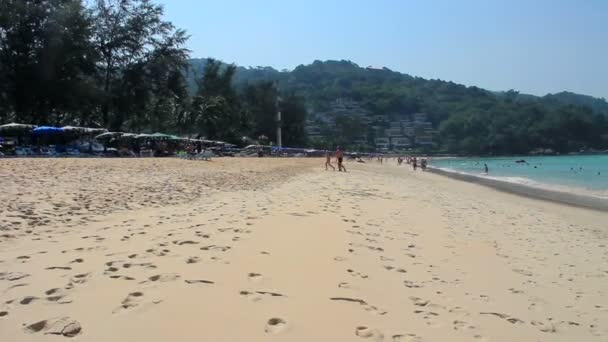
469,119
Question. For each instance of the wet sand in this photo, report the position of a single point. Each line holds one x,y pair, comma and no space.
279,249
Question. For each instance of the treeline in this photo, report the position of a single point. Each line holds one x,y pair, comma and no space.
470,120
118,64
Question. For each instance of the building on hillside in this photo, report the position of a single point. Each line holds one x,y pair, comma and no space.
400,143
382,144
424,140
424,125
409,131
420,117
393,132
380,118
362,140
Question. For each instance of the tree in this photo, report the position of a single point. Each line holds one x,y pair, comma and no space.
45,58
293,115
132,40
216,107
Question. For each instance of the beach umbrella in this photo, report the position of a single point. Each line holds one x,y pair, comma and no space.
127,136
74,129
108,136
160,136
47,130
143,136
96,130
13,129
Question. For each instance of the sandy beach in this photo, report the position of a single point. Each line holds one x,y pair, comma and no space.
282,250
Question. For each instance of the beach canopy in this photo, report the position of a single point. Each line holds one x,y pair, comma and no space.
47,130
83,130
108,136
175,137
16,129
154,136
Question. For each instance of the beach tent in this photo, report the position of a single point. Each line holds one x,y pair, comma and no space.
83,130
108,135
127,136
160,136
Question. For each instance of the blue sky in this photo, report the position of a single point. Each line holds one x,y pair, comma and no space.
534,46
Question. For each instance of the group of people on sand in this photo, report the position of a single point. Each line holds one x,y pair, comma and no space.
414,161
339,155
339,158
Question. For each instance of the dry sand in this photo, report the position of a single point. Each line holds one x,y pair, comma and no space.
281,250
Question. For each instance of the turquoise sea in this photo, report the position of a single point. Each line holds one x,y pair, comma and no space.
586,173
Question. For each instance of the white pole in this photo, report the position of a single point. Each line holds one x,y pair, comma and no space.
279,137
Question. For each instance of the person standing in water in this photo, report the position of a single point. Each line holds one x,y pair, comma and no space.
485,167
328,161
340,158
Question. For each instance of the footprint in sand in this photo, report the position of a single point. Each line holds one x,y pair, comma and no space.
199,281
407,338
80,278
275,326
257,296
132,300
27,300
163,278
506,317
462,325
63,326
254,276
357,274
215,248
58,268
368,333
57,295
411,284
369,308
193,260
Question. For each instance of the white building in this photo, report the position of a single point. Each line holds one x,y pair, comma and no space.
382,144
400,143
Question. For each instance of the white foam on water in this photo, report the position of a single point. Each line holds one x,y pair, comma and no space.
533,183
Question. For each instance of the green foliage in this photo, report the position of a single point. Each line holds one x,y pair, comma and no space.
470,120
110,63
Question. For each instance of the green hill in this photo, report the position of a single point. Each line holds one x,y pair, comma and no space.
463,119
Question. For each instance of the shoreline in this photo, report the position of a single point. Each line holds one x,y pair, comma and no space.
555,196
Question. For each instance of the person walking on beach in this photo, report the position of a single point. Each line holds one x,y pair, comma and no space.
415,163
328,161
340,158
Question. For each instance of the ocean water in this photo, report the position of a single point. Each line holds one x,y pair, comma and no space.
582,173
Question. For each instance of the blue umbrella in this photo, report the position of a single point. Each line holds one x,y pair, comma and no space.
46,130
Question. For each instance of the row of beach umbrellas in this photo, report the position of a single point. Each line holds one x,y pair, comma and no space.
101,134
17,129
113,136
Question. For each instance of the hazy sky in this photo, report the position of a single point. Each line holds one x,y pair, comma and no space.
534,46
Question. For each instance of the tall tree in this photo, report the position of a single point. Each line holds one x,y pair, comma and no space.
45,58
130,35
216,107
